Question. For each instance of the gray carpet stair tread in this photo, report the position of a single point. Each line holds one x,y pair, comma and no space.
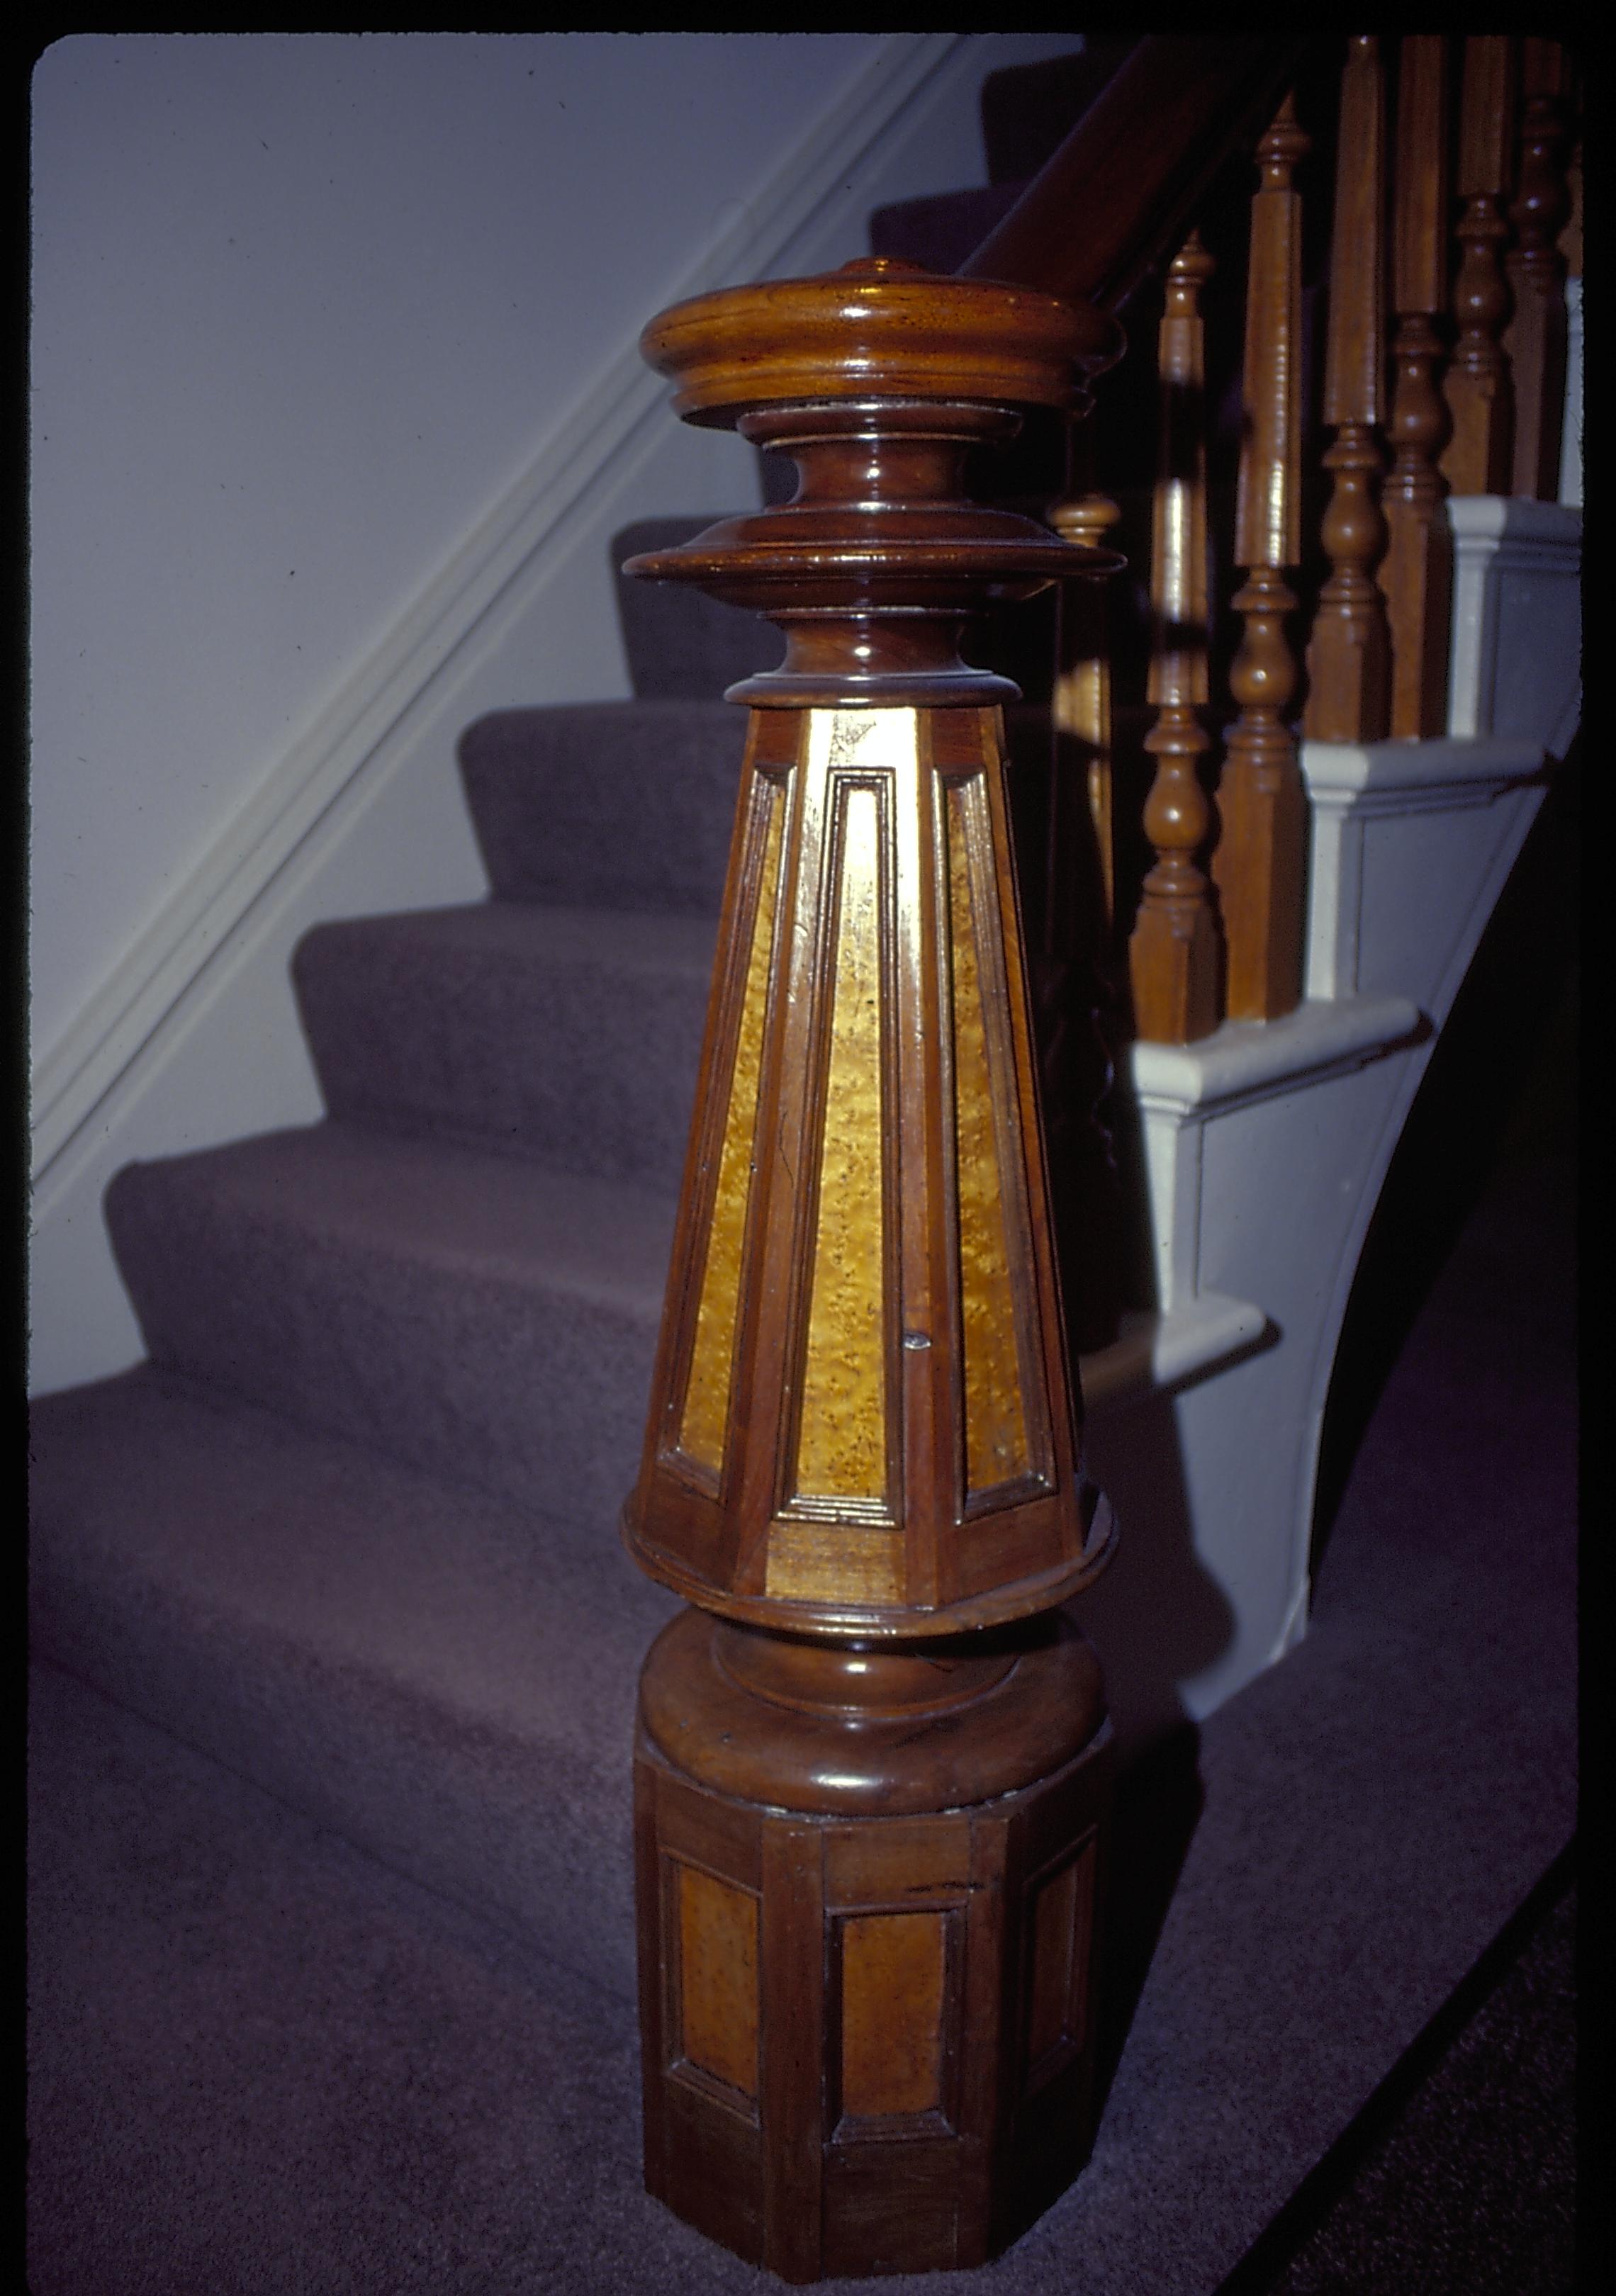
571,1035
446,1682
622,805
475,1313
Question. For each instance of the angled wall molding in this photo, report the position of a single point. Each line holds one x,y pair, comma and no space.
347,752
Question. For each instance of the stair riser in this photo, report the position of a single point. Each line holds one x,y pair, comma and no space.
483,1818
536,1394
607,806
589,1071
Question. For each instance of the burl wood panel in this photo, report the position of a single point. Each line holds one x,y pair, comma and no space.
987,1160
842,1434
717,1977
708,1378
895,2021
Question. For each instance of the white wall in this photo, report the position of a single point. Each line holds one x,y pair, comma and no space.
335,405
301,306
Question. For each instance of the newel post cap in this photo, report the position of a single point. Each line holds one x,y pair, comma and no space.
879,328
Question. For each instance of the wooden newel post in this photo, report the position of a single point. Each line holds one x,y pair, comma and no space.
872,1767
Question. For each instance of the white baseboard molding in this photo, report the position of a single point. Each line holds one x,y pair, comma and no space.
349,746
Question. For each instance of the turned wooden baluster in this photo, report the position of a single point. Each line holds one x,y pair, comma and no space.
1415,574
1173,954
870,1772
1480,455
1081,707
1258,860
1073,964
1536,341
1348,654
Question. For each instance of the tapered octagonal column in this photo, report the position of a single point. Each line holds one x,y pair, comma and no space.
863,1454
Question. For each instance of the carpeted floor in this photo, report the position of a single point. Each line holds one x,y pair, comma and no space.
1460,2174
262,2064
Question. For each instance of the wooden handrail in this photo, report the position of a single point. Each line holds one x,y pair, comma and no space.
1116,200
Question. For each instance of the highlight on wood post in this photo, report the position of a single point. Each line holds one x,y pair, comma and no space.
1174,953
1259,861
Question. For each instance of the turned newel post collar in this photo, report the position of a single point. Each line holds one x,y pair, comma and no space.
877,380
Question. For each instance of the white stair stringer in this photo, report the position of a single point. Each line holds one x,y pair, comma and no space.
1264,1148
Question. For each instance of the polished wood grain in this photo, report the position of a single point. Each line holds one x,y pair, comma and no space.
1415,574
1536,265
1349,653
878,326
1480,455
1174,953
1258,862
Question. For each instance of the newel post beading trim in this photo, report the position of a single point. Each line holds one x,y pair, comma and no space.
873,1761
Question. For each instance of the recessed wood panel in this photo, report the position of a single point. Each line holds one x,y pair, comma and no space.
718,1979
894,2000
997,1449
705,1421
1058,1922
841,1442
834,1563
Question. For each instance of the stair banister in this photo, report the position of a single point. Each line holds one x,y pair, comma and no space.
872,1768
872,1773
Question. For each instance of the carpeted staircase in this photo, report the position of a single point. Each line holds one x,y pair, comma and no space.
338,1646
352,1528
